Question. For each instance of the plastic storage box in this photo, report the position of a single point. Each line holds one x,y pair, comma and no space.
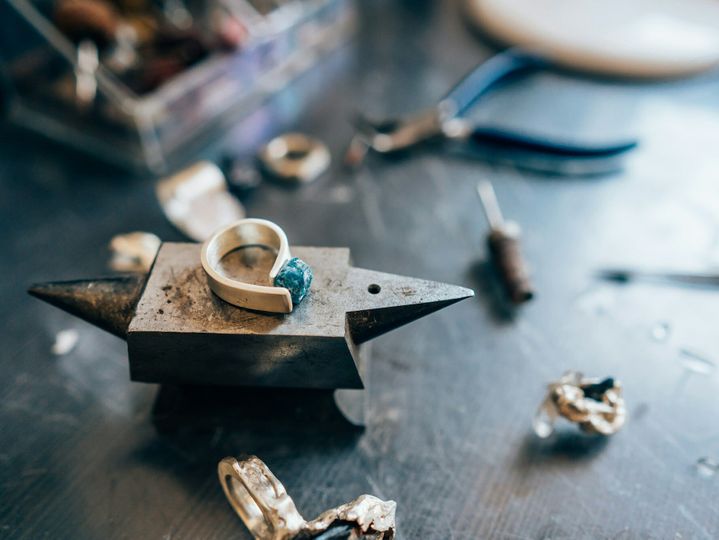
159,128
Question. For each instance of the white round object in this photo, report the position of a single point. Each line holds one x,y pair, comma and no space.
635,38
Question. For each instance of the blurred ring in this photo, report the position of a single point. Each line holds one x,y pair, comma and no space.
295,157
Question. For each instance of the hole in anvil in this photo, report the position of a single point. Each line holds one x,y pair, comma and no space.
250,264
374,288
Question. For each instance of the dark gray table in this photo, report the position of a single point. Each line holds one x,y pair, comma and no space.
451,396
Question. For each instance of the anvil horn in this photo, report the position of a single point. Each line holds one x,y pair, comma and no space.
108,303
402,300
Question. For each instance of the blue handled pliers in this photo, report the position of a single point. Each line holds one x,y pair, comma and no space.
445,121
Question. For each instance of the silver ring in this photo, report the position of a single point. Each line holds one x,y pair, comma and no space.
266,509
291,276
259,498
295,157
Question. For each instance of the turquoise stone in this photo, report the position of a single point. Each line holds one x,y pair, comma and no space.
295,276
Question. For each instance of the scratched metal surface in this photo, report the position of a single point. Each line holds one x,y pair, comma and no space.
83,457
181,333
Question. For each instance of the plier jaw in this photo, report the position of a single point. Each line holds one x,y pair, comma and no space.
393,135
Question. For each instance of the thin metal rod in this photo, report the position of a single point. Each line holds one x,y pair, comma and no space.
490,205
626,274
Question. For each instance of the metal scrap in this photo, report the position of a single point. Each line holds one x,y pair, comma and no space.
196,200
134,252
597,406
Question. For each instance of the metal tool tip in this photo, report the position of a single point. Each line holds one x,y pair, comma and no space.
466,293
488,198
483,186
107,303
394,301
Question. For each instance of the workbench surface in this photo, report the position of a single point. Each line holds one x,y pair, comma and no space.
86,454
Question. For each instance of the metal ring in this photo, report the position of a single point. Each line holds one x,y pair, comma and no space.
291,276
266,509
296,157
259,498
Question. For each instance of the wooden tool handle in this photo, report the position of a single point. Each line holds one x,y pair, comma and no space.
506,254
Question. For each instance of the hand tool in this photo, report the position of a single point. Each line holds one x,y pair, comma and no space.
178,331
504,247
445,122
683,278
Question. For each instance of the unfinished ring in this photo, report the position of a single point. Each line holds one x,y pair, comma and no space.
597,406
269,513
295,157
259,498
291,276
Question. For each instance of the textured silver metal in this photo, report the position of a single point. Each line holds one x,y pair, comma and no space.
570,398
134,252
197,201
269,513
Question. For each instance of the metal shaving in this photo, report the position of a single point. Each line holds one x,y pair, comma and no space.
133,252
196,200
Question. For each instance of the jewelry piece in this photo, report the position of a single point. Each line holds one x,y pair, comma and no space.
134,252
196,200
295,157
266,509
596,405
291,276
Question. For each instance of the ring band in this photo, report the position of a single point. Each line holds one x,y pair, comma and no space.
266,509
259,498
295,157
291,276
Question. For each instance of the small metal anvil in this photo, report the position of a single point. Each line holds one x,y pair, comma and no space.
178,331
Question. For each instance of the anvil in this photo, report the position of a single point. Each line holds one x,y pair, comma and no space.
178,331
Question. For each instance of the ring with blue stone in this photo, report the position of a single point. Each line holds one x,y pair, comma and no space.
291,276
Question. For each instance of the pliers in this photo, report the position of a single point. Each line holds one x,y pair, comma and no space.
446,122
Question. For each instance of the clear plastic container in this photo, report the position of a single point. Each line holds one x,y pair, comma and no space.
157,129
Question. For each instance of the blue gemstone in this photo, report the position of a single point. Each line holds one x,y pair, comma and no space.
295,276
